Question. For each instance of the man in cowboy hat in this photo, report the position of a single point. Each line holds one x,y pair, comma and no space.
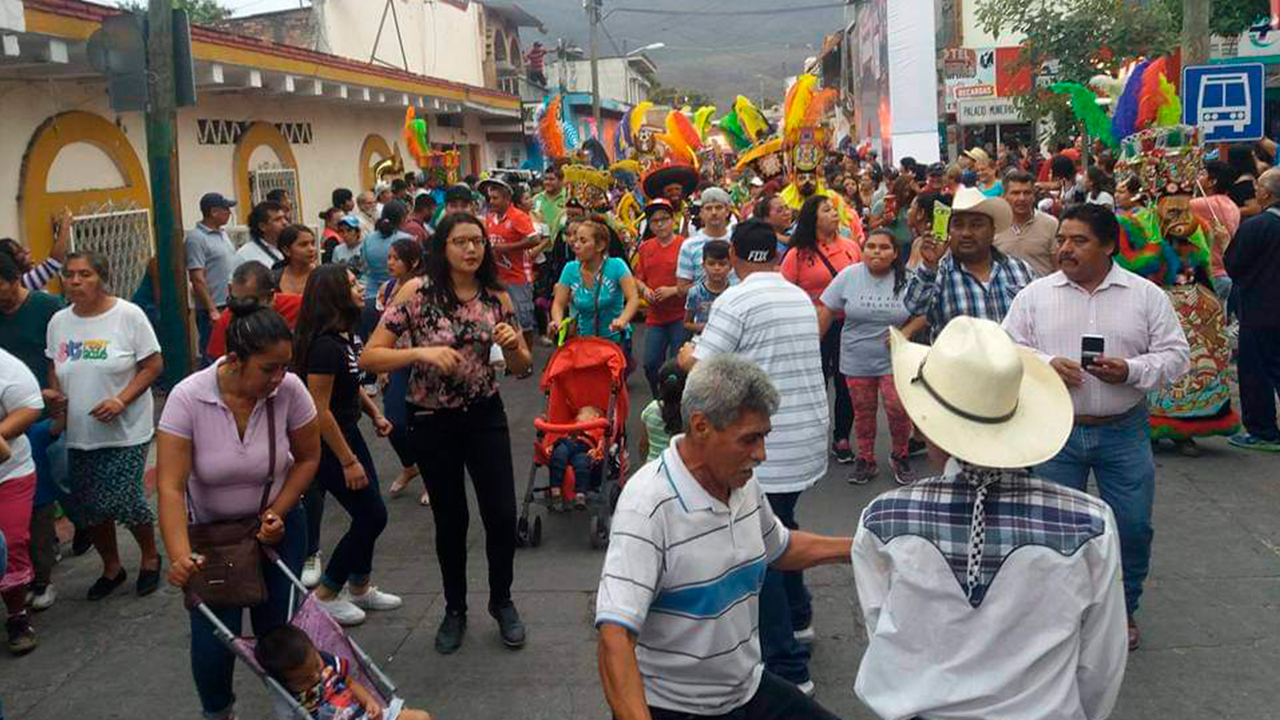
1143,348
988,593
974,279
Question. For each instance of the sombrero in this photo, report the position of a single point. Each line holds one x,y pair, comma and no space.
666,174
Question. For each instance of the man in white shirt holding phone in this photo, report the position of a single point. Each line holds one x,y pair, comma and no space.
1113,337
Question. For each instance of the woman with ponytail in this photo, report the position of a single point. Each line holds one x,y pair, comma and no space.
214,450
374,250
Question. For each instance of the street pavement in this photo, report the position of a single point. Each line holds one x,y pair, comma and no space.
1210,616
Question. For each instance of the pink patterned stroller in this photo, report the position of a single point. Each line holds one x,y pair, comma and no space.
324,632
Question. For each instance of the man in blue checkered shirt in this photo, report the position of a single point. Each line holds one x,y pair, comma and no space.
975,279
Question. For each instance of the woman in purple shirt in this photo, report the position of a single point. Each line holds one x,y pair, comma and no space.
213,455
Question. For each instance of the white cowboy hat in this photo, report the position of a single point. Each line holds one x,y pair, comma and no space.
980,397
972,200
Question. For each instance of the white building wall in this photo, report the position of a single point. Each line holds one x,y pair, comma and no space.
330,160
614,76
440,40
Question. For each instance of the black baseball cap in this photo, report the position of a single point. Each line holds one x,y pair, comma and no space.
212,200
459,193
937,170
754,241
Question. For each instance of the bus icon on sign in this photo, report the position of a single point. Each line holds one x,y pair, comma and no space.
1224,101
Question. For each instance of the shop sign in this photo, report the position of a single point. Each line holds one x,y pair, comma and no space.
988,111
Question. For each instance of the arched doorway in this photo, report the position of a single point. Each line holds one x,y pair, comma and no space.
262,147
104,171
374,154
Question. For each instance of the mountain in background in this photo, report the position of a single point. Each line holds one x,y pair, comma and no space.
721,53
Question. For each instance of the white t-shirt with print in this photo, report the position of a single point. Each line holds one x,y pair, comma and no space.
18,391
95,358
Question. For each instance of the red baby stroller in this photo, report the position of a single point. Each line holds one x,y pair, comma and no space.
585,371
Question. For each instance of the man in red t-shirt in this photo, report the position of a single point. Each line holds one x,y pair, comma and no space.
512,234
656,275
253,279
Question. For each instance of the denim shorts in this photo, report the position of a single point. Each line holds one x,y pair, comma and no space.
522,299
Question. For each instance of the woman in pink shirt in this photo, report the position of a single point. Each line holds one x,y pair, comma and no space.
1219,216
818,253
213,461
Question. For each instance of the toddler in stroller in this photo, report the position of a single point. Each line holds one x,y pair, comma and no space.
577,449
321,683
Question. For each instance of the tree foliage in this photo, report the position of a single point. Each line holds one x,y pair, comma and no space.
679,97
1082,38
199,11
1228,17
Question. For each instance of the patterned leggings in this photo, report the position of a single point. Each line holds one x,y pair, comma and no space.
107,484
864,392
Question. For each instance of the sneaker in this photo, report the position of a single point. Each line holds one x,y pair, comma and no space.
1187,448
1253,442
42,600
342,610
449,635
374,599
311,571
22,637
843,452
864,471
902,472
806,687
545,341
916,447
580,501
509,625
805,636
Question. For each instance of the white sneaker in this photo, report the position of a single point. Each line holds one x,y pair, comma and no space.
342,610
311,571
373,599
806,687
44,600
804,636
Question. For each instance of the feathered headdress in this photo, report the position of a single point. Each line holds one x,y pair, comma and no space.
550,131
1165,160
1144,251
1084,104
681,138
744,124
805,107
415,137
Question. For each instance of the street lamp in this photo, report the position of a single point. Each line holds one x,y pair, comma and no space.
650,46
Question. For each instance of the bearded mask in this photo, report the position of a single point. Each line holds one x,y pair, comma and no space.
1176,220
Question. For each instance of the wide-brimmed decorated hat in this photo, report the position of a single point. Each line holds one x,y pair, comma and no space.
588,186
667,173
981,398
765,159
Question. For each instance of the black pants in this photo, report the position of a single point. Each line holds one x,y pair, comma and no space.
474,439
775,699
842,424
352,557
1259,380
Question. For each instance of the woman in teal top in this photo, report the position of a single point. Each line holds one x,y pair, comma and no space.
597,290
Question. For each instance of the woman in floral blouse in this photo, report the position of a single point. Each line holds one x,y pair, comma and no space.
456,415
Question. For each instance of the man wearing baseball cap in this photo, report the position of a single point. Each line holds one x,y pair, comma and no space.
211,256
773,323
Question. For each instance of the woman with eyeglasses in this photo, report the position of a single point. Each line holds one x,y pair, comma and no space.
456,416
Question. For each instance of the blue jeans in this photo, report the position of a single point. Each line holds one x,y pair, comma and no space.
572,451
212,664
204,328
1119,455
1259,381
785,606
661,342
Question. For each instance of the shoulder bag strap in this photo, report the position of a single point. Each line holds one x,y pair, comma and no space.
817,250
271,454
599,282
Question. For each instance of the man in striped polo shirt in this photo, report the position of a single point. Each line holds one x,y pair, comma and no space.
690,542
773,323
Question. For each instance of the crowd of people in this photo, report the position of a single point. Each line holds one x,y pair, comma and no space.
1027,322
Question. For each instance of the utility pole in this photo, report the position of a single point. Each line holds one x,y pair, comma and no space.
593,16
162,161
1195,31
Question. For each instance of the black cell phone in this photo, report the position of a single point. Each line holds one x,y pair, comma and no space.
1091,347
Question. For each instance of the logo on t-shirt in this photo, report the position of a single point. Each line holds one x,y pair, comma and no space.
71,351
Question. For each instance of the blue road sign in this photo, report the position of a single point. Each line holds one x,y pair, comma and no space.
1224,101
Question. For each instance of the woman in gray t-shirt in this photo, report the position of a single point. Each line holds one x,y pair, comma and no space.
868,296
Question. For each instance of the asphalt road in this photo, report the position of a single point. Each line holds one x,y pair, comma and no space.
1210,618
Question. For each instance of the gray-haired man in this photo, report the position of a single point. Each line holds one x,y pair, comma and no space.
691,538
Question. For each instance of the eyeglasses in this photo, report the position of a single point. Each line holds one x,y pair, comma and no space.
463,243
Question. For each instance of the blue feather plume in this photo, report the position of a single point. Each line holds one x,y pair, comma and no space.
1124,118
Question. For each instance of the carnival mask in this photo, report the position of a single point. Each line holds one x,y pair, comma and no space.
1176,220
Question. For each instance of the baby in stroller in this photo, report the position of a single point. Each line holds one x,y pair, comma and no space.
576,449
320,682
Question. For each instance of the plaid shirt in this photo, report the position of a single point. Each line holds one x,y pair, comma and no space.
1020,510
951,291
